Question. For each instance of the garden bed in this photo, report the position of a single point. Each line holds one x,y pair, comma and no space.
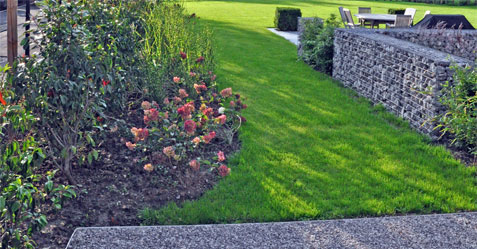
113,190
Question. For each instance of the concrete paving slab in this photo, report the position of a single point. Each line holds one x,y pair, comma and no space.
291,36
416,231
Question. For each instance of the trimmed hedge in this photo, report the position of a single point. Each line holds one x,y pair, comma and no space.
286,19
396,11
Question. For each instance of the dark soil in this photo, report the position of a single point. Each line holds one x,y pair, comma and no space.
461,154
113,190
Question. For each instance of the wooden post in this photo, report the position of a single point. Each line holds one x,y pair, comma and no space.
12,35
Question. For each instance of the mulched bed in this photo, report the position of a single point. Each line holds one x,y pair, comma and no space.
113,190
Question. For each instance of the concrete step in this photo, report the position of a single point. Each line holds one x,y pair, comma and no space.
457,230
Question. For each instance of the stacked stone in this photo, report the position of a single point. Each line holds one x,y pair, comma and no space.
404,77
461,43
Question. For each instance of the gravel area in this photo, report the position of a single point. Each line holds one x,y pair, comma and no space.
457,230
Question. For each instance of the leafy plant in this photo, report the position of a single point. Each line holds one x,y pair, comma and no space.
169,32
318,39
82,74
21,196
460,100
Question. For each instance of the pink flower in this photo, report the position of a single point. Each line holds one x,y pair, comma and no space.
232,103
243,119
176,79
166,115
183,55
148,167
209,137
244,106
151,115
200,88
196,140
106,82
190,126
194,164
221,156
183,94
130,145
200,59
146,105
213,77
169,151
192,74
227,92
221,119
166,101
224,170
177,100
186,110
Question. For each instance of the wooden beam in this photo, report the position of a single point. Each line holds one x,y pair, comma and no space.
12,33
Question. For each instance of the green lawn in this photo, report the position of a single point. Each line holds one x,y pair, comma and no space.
311,150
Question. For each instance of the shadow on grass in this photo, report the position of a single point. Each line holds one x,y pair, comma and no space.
312,151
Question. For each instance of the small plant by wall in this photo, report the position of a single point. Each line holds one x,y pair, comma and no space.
460,101
286,19
317,43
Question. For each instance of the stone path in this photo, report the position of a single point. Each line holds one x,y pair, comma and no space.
416,231
291,36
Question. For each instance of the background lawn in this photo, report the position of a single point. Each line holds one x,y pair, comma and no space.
311,149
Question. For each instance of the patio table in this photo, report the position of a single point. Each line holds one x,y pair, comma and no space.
376,19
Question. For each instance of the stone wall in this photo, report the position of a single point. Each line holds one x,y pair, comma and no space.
404,77
461,43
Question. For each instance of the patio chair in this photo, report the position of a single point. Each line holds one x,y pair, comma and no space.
410,12
343,16
402,21
428,12
364,10
349,19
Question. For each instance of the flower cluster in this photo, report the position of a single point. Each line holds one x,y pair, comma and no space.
183,129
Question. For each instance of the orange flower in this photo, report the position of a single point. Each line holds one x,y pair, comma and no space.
176,79
221,119
148,167
169,151
194,164
146,105
140,134
183,94
196,140
130,145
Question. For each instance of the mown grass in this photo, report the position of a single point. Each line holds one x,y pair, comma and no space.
311,149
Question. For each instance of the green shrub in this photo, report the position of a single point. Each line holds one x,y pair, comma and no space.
396,11
460,100
317,41
21,195
286,19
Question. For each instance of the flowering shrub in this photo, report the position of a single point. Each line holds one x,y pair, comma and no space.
180,132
